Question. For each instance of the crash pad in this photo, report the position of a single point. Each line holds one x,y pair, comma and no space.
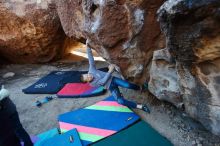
98,121
55,81
45,135
73,90
139,134
70,138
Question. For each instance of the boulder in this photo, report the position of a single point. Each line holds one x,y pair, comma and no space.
124,32
163,81
192,34
30,31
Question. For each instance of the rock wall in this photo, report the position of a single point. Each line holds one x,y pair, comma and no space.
124,32
30,31
190,73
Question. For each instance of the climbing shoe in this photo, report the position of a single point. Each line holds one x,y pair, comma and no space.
144,87
38,103
145,108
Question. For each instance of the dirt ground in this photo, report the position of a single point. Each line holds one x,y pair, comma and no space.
166,119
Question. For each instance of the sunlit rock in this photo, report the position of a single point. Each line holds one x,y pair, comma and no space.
30,31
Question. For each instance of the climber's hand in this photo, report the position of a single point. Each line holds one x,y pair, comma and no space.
4,93
111,68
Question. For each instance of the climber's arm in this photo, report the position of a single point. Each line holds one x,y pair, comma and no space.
108,75
91,59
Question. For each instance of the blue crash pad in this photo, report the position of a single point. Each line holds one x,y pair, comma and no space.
53,82
70,138
46,135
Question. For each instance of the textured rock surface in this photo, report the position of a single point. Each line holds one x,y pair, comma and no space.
193,40
30,31
124,32
163,81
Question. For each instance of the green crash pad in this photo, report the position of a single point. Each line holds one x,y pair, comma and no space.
139,134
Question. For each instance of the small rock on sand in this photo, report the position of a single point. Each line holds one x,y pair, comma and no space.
8,75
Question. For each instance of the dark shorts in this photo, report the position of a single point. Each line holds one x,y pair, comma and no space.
7,134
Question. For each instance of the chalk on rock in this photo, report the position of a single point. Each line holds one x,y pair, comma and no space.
8,75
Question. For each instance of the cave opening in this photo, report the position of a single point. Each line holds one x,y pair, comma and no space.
76,51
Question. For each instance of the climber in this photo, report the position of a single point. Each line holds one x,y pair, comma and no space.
12,132
99,78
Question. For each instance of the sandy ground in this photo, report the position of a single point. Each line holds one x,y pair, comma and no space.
167,120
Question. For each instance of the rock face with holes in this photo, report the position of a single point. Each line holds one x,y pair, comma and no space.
188,70
163,78
30,31
124,32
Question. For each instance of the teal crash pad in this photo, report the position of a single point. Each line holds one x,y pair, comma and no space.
70,138
139,134
46,135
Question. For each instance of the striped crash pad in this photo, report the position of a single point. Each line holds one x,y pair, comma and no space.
98,121
72,90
